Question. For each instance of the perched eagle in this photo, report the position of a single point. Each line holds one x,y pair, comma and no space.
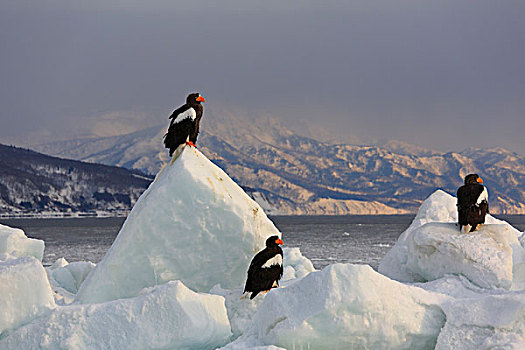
266,268
184,124
473,202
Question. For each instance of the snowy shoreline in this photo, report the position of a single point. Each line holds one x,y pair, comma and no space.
517,218
51,215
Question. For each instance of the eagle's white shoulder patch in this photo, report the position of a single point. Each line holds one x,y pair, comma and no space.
484,196
190,113
276,260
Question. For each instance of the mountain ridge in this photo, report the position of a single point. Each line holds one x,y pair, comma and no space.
288,173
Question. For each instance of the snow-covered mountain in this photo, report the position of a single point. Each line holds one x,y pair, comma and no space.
289,173
32,183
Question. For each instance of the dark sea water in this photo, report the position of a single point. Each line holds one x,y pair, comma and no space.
348,239
323,239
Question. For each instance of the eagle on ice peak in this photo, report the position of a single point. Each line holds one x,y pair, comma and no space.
184,124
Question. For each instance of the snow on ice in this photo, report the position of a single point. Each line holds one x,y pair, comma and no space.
348,307
14,243
25,292
174,277
484,257
70,275
24,288
193,224
432,247
295,264
66,278
484,322
170,316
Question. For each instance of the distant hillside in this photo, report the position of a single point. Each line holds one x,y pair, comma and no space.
32,183
288,173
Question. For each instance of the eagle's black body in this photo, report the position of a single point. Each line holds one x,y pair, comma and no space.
184,124
471,211
264,278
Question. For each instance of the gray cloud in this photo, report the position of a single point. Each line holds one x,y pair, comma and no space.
442,74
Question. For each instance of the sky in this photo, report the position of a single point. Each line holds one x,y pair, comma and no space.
445,75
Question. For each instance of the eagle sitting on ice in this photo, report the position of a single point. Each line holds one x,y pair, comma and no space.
473,202
184,125
266,268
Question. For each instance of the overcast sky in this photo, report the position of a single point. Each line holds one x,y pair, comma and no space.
442,74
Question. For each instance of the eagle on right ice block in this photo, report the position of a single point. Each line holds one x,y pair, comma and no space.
473,202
